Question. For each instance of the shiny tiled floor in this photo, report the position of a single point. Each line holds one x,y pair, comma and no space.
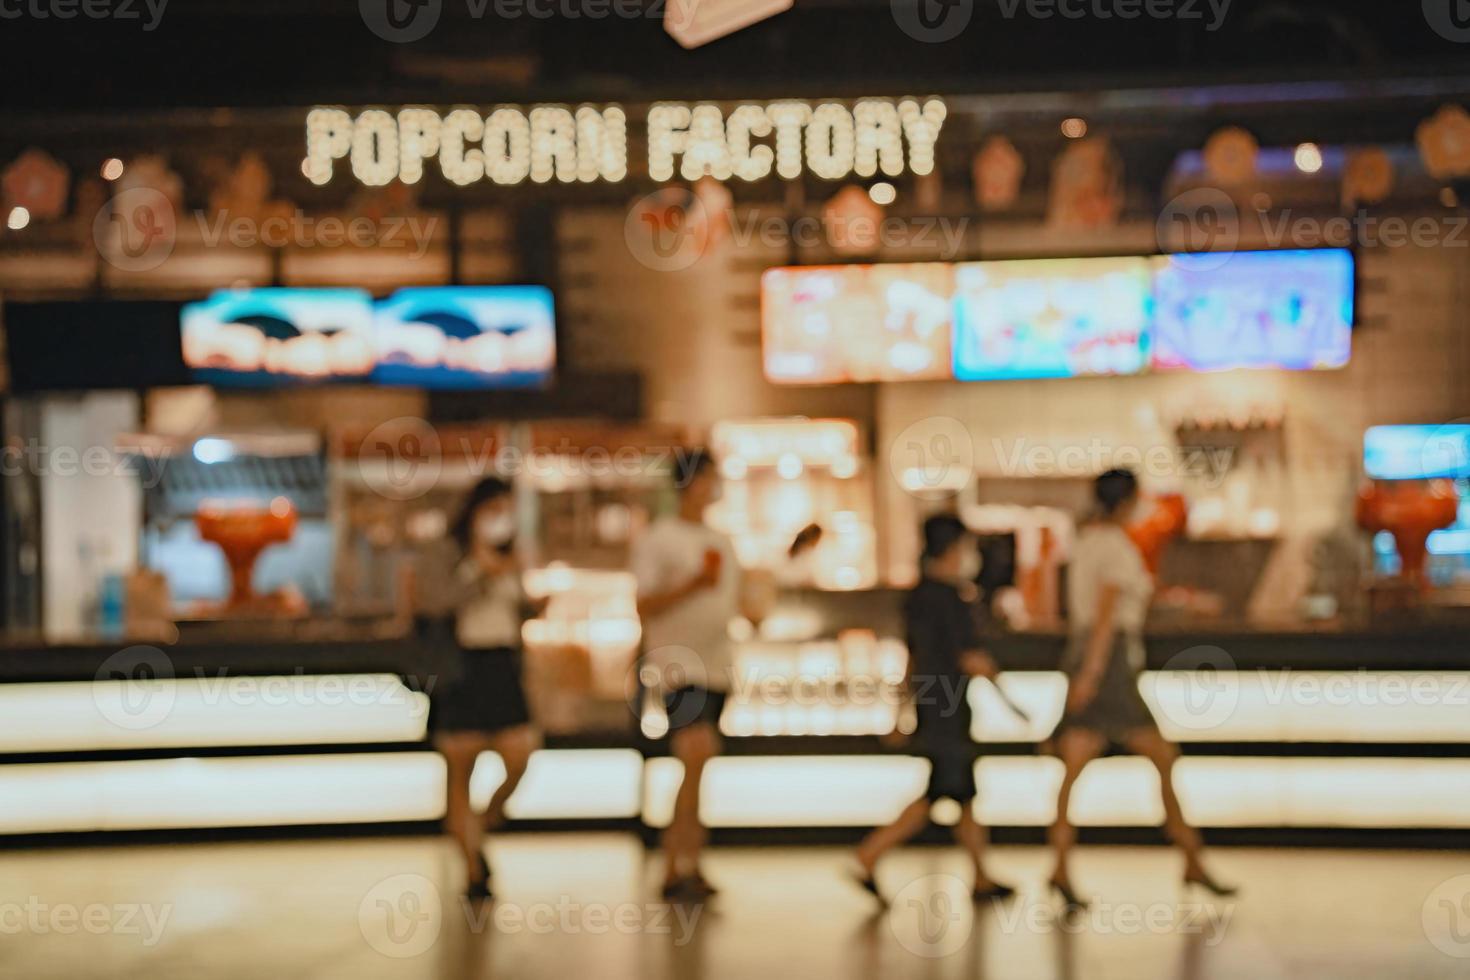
575,906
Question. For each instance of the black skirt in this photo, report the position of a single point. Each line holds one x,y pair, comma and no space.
478,689
692,705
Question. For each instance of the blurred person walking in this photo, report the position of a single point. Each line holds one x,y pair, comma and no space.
1108,592
944,654
689,589
475,586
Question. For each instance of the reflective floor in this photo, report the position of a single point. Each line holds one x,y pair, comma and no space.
584,905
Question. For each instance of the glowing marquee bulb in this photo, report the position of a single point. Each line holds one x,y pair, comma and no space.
461,165
1308,158
602,144
553,144
418,139
507,146
829,141
879,140
667,123
921,128
328,138
375,148
788,118
749,162
706,149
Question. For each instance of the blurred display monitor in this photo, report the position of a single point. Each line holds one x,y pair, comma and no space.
1417,452
452,337
830,324
466,337
1050,318
1058,318
267,337
1290,309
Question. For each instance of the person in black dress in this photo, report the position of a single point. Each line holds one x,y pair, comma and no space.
944,654
482,708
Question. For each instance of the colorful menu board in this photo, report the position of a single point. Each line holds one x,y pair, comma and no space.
1288,309
1050,318
466,337
432,337
267,336
1058,318
829,324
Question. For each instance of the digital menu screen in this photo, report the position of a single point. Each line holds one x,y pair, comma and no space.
829,324
1050,318
432,337
270,336
1417,452
1058,318
466,337
1289,309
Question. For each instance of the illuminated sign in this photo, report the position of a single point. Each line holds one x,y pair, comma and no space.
1289,309
428,336
545,143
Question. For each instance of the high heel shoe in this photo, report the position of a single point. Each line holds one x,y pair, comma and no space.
1070,901
1203,879
864,879
478,888
996,891
688,888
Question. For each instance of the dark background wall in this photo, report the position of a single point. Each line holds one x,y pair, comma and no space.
273,52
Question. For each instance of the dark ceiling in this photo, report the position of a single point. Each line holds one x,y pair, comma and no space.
277,52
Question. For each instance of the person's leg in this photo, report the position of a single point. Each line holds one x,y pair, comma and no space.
460,750
1152,745
1076,747
973,837
693,746
514,746
912,819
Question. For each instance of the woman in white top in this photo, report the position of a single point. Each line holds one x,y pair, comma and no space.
1108,592
483,708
